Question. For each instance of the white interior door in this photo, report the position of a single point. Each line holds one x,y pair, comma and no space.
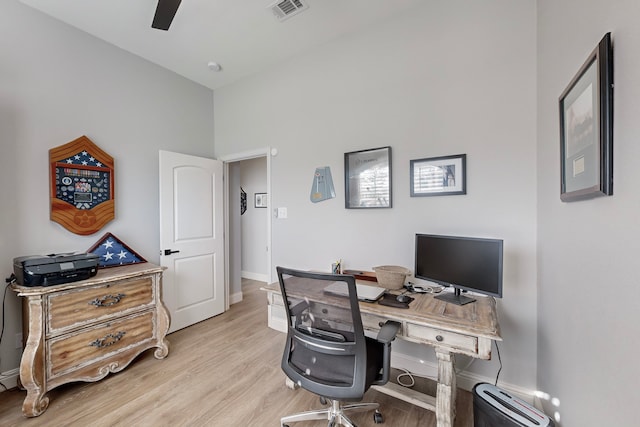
191,237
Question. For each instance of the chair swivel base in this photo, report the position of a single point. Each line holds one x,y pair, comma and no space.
335,414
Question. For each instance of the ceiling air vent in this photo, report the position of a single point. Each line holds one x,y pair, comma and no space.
286,9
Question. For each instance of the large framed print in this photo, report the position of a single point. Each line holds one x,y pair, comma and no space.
586,128
439,176
368,178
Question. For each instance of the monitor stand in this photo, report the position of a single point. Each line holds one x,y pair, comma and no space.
454,298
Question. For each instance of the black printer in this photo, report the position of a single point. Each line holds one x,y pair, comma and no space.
54,269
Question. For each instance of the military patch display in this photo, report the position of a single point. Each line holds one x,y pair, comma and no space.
81,186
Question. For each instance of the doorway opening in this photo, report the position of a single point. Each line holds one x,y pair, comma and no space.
248,234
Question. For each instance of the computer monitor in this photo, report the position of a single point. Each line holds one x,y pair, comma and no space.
469,263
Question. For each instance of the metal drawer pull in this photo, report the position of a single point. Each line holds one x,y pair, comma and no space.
439,338
108,340
107,300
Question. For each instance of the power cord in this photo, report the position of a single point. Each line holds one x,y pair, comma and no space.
499,360
411,375
11,279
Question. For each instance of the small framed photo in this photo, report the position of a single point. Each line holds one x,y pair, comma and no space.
586,128
439,176
367,175
260,200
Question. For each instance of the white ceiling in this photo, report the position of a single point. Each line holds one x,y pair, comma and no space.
243,36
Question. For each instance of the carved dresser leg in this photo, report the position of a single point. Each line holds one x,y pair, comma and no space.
163,321
32,375
162,350
35,403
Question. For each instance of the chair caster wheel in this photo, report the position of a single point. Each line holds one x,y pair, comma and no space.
377,417
323,400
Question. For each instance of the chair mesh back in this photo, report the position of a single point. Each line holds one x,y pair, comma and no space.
326,347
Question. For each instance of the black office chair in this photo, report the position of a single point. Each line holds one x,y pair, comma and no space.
327,352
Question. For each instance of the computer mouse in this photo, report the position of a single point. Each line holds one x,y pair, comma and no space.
403,298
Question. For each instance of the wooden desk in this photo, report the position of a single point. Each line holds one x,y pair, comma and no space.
84,330
468,329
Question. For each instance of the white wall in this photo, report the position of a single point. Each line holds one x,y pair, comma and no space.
235,233
56,84
448,78
588,277
253,178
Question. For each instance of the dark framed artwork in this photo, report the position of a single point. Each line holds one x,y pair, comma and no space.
586,128
260,200
439,176
113,252
243,201
368,178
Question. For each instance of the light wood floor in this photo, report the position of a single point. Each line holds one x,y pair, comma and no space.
224,371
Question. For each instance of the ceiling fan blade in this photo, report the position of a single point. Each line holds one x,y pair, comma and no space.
165,12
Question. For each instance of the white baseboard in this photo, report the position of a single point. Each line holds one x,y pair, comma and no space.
465,380
9,379
235,298
254,276
414,365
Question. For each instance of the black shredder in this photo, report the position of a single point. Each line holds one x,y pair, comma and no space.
493,407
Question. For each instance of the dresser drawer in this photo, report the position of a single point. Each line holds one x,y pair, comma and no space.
76,350
371,322
438,337
73,308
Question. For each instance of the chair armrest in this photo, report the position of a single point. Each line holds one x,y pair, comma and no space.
388,332
299,308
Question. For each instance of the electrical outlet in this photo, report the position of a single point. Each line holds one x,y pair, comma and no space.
19,340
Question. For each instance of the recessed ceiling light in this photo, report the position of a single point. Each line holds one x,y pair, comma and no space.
214,66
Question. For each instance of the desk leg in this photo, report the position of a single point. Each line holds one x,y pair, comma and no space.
446,392
290,384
